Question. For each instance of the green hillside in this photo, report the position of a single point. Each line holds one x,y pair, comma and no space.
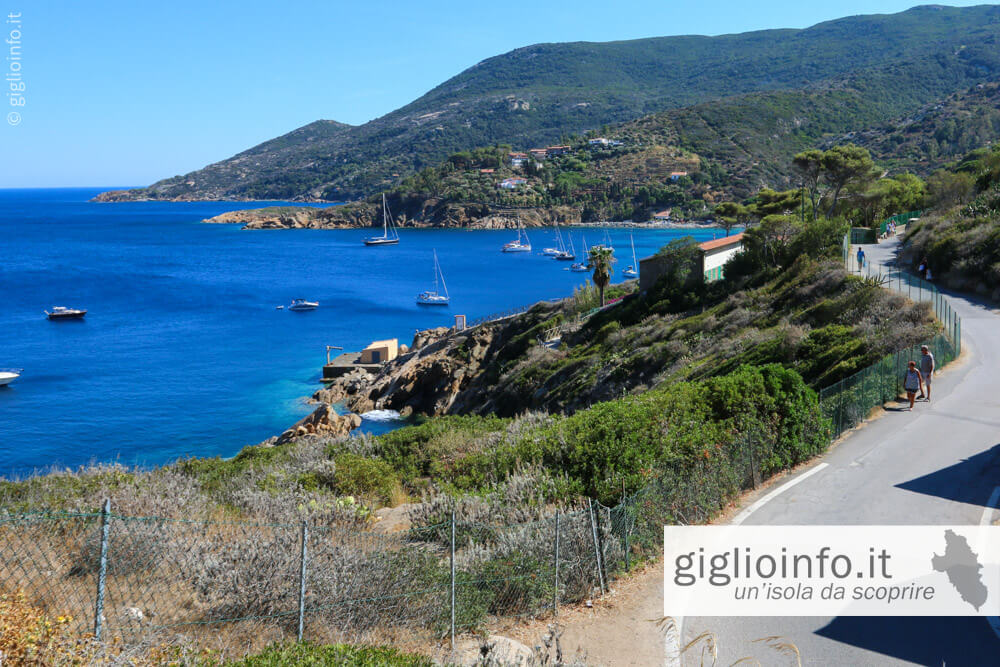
540,94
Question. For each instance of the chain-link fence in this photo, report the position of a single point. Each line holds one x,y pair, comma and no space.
847,402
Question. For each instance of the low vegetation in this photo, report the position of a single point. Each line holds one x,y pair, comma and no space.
959,238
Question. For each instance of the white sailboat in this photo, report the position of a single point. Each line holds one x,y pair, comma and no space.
432,297
632,271
522,244
567,255
560,246
389,234
580,267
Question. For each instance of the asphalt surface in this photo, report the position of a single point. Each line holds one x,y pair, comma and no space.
938,465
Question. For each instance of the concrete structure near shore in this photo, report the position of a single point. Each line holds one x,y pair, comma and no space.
710,262
380,351
369,359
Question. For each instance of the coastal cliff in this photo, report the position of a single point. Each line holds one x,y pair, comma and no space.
416,214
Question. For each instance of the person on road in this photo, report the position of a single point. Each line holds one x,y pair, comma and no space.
912,382
861,258
926,370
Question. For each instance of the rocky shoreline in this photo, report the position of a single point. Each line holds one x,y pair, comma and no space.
429,213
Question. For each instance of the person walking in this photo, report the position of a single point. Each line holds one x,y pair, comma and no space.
912,382
922,269
861,258
926,370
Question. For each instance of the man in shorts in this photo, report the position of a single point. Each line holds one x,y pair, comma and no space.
926,370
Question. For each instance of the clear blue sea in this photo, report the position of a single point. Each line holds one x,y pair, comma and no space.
182,352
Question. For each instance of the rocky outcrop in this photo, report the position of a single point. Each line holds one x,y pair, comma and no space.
426,380
409,212
322,421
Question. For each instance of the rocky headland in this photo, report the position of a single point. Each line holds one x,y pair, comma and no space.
425,213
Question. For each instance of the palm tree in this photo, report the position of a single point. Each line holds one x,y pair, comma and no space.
600,259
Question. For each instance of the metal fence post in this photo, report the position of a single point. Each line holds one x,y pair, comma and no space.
302,578
597,546
555,593
102,570
452,563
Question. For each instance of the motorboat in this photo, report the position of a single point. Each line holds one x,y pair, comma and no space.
389,234
299,305
579,267
64,313
522,244
433,297
8,375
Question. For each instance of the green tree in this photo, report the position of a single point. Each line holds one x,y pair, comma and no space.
600,259
809,164
844,165
729,214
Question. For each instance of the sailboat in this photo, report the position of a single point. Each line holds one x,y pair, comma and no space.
631,271
567,255
389,234
554,252
431,297
522,244
580,267
606,242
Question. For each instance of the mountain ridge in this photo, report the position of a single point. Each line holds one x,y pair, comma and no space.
541,93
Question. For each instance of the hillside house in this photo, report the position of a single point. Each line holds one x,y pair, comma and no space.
512,183
599,142
712,258
677,175
538,153
552,151
518,159
485,171
662,216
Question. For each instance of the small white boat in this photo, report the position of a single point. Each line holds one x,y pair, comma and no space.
522,244
279,307
8,375
632,270
63,313
432,297
299,305
389,234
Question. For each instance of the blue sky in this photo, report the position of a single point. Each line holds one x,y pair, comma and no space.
128,92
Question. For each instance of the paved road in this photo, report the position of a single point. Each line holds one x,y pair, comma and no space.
939,464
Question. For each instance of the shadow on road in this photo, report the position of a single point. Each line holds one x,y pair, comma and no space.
971,481
923,640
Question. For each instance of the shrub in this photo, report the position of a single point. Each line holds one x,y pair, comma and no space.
369,478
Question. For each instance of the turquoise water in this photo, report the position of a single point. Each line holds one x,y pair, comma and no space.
182,352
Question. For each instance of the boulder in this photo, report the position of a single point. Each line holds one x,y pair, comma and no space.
322,421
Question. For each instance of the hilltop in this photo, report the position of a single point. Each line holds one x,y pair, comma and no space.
543,93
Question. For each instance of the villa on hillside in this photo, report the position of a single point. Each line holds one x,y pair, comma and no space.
710,265
512,183
538,153
663,215
518,159
677,175
598,142
552,151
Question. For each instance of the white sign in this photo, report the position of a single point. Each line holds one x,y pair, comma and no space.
831,571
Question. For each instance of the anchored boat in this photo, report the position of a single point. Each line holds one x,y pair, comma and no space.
8,375
299,305
432,297
631,271
389,234
63,313
522,244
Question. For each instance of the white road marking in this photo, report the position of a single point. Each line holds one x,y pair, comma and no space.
742,516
